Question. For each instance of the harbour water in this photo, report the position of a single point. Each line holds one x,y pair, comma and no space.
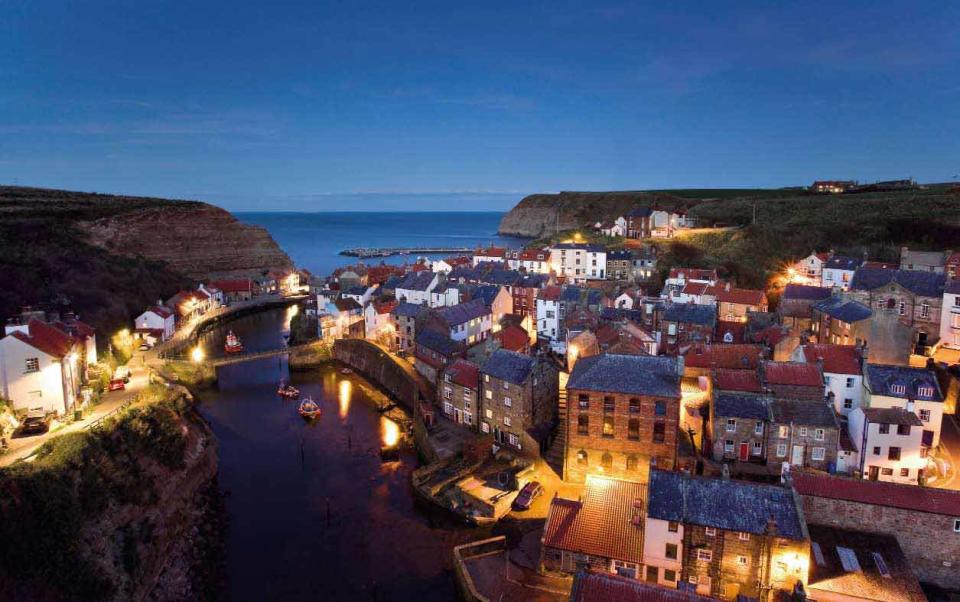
314,240
313,512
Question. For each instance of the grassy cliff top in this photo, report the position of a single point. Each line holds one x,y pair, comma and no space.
19,203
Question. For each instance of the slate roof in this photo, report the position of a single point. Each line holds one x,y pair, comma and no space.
590,586
348,304
691,313
417,281
532,280
438,342
392,282
640,212
570,294
806,293
501,277
730,405
693,274
924,284
837,359
616,313
160,310
462,313
486,293
356,290
408,310
845,311
723,504
827,573
600,525
840,262
891,416
804,413
510,366
629,374
591,248
734,357
881,377
878,493
792,373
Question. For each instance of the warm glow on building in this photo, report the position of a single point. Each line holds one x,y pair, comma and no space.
390,431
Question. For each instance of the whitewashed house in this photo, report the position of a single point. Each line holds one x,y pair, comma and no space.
532,261
889,444
157,323
490,254
678,278
361,294
913,389
579,262
441,266
838,271
617,227
809,270
418,288
378,325
548,312
83,333
213,293
950,316
842,373
40,368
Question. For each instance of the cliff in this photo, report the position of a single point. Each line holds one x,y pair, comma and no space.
541,214
107,257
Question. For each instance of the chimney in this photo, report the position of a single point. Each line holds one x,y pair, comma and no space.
726,286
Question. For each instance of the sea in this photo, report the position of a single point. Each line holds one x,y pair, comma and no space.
314,240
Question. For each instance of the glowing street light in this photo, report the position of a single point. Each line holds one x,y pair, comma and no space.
197,354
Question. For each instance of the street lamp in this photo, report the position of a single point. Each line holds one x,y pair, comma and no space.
197,354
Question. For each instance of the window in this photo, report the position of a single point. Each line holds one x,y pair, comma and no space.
660,408
904,472
757,448
903,429
606,460
884,429
887,472
447,393
32,364
783,432
608,404
758,428
486,378
507,421
924,391
847,403
583,401
925,414
468,417
898,389
653,574
728,445
514,440
608,426
819,453
488,394
924,310
670,551
848,558
803,431
731,425
506,386
956,521
881,564
583,424
484,427
818,434
488,413
818,554
742,560
673,526
659,432
508,402
446,378
632,463
893,453
582,457
902,308
710,531
705,555
876,450
781,450
669,575
633,429
635,405
743,536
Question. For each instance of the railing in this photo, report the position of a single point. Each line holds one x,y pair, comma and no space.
99,421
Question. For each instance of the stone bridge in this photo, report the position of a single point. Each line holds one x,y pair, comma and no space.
242,357
378,365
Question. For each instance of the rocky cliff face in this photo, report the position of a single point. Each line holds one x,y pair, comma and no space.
542,214
195,239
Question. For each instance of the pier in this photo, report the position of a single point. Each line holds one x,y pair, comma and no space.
366,252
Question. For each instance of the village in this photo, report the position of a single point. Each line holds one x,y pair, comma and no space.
664,430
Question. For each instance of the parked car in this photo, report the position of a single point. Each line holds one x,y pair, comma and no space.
117,384
34,424
527,495
122,373
144,347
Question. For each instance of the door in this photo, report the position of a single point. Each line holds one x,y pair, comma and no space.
927,440
797,458
744,451
874,473
458,415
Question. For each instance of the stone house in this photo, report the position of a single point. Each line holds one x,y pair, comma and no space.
738,426
639,223
459,392
623,414
595,586
806,434
793,380
924,520
683,324
235,290
733,304
620,265
796,305
405,317
519,401
841,321
924,261
467,323
433,351
525,293
914,297
950,315
889,443
726,538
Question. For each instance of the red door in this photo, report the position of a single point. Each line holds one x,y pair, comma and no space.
744,451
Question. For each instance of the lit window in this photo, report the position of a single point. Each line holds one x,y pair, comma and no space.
32,364
818,453
743,536
731,425
742,560
710,532
705,555
508,402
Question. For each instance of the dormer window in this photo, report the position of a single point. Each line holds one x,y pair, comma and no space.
898,389
925,391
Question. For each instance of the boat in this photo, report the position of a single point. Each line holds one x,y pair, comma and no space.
308,408
232,344
288,391
346,371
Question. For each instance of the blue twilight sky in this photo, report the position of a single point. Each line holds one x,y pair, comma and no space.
313,105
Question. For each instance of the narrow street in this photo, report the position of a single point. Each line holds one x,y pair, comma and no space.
950,444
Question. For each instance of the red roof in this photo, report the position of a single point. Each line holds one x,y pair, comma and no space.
879,493
733,357
737,380
464,373
233,286
693,274
603,523
954,258
78,328
201,294
384,307
491,252
837,359
534,255
736,329
590,586
419,267
514,338
550,293
607,335
163,312
792,373
379,274
739,296
46,338
695,288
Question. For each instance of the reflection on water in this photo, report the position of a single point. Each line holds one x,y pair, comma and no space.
313,512
343,396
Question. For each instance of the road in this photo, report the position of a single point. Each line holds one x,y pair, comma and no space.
22,447
950,451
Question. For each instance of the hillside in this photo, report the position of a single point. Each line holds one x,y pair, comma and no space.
106,257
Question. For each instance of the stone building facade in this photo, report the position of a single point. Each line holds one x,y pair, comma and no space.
518,400
915,297
805,434
738,427
623,414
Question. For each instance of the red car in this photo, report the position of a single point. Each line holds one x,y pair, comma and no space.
117,385
530,492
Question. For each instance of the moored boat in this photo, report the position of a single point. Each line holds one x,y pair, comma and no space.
232,344
288,391
308,408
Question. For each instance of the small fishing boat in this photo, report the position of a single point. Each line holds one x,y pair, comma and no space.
288,391
309,409
232,344
346,371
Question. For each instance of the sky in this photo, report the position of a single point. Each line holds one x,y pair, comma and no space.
317,106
